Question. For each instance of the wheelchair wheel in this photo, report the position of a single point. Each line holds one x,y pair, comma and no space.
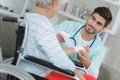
8,61
14,71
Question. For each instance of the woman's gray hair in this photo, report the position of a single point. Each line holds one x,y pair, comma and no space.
46,3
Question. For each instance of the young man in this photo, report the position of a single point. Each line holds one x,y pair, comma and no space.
86,35
42,42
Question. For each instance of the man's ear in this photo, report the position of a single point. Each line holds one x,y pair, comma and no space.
54,2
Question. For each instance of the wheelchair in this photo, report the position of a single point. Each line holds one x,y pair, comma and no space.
10,65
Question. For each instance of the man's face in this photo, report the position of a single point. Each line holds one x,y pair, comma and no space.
95,24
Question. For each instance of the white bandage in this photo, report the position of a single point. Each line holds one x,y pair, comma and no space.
78,48
66,37
64,34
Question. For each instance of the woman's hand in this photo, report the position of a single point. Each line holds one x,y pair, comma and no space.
60,38
77,74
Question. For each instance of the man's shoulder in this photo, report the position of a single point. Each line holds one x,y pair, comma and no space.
68,26
72,22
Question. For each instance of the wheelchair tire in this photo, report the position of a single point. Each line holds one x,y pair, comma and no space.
15,71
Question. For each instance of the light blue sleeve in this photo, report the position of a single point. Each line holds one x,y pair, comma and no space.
68,26
63,26
97,53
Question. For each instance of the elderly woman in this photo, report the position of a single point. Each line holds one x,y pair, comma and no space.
42,42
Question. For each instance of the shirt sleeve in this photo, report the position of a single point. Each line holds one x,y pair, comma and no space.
93,71
52,49
98,51
63,26
97,57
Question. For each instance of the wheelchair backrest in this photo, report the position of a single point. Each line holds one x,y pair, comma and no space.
20,34
19,40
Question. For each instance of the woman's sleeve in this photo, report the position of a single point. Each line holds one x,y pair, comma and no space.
52,49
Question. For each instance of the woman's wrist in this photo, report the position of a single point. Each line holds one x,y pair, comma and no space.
77,74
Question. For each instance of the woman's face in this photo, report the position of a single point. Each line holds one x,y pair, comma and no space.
95,24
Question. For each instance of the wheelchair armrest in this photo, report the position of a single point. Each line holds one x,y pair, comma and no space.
10,19
78,64
48,64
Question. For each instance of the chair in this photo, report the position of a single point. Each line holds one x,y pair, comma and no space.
21,38
13,71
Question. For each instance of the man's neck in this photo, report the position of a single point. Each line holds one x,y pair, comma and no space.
86,36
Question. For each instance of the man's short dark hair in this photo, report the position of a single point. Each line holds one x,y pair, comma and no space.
105,13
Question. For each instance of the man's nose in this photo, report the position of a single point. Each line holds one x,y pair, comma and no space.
94,23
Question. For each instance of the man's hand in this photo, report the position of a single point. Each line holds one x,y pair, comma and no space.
60,38
83,57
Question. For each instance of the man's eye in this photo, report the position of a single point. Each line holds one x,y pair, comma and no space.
93,18
100,24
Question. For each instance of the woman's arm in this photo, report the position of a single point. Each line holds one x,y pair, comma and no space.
69,50
72,50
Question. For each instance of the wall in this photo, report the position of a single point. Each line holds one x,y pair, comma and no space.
108,73
112,57
113,54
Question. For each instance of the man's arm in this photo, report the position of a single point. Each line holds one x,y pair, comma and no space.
85,60
68,50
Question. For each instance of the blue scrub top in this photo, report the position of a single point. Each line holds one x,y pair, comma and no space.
97,49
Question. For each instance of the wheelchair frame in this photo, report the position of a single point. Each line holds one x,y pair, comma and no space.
31,58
